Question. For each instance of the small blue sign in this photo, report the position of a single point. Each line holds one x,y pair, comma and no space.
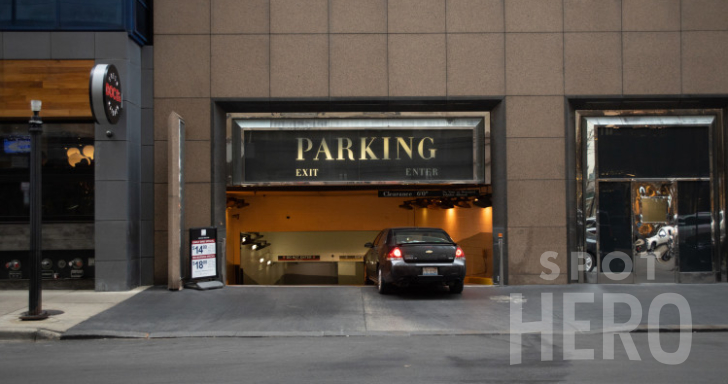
16,145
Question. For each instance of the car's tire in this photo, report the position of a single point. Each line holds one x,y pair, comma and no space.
456,287
383,287
589,262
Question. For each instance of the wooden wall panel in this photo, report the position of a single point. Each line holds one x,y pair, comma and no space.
62,85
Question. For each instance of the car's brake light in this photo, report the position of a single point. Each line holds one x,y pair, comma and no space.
459,253
395,254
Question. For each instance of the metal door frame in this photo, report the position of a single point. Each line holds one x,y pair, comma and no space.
587,183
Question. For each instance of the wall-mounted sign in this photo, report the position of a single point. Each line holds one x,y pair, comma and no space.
445,193
13,145
105,93
359,151
299,257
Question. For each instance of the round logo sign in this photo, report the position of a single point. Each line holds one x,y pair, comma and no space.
105,93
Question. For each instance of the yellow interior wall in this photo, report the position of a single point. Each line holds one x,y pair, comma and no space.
471,228
354,211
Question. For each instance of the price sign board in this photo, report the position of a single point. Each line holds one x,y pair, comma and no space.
203,252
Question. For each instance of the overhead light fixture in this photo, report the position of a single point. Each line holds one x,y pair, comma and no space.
258,245
407,205
422,203
446,204
249,237
483,201
233,202
462,203
76,155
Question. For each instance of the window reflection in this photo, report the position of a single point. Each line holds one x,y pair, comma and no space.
67,172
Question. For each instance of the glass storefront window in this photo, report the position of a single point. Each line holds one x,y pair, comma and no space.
133,16
68,172
653,152
101,12
36,11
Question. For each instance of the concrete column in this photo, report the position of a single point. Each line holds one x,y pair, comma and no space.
118,172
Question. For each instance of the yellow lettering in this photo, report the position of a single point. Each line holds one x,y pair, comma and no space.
403,144
309,145
306,172
323,147
385,145
421,149
346,148
366,150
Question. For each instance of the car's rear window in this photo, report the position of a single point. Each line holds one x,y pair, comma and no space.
410,237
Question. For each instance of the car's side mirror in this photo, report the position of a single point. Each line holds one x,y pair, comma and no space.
369,245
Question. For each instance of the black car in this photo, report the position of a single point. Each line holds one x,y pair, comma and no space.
407,256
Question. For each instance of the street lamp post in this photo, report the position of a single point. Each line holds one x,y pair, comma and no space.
35,310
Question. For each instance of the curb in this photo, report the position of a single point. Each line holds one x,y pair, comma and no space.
87,335
44,334
682,328
101,334
29,334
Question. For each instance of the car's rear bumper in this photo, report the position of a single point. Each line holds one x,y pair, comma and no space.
402,273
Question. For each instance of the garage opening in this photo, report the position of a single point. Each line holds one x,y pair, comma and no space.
318,237
306,192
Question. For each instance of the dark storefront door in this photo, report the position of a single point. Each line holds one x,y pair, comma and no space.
652,231
652,197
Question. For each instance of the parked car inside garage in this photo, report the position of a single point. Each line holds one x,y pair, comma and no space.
414,256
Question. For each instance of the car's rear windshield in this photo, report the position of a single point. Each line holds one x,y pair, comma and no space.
410,237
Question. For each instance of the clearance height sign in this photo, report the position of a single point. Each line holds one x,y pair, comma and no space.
340,156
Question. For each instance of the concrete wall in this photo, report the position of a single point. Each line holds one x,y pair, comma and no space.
533,53
123,231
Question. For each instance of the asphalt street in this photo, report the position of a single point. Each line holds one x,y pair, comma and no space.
335,311
362,359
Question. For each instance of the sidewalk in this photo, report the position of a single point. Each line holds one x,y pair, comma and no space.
259,311
76,306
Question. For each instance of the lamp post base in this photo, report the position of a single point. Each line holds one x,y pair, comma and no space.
26,316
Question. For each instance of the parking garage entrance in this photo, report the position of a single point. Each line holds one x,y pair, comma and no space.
317,237
305,194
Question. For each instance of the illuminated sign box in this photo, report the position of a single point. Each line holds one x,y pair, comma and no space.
15,145
290,151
